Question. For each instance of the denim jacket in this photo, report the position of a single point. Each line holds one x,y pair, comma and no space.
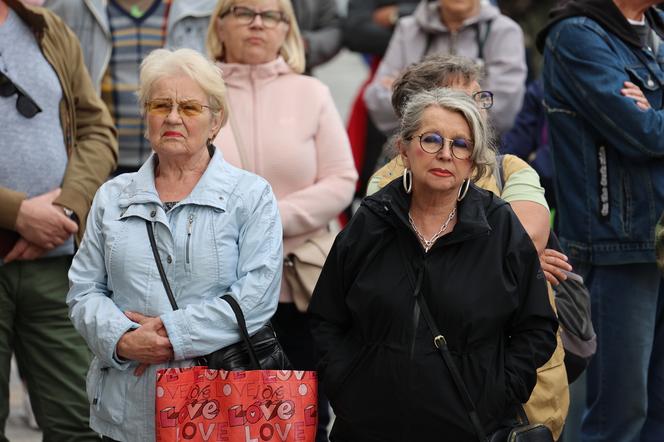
608,154
224,237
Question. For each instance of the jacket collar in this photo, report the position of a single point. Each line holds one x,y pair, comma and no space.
213,189
272,69
607,14
392,204
30,16
428,18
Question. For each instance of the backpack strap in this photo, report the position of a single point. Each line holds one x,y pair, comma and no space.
481,38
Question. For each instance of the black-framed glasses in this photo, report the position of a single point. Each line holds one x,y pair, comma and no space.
25,105
432,143
163,106
246,16
484,99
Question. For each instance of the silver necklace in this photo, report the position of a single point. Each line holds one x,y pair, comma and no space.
429,243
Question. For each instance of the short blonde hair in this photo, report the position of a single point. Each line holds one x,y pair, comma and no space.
292,50
162,63
484,154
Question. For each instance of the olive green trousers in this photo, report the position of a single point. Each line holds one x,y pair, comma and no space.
52,357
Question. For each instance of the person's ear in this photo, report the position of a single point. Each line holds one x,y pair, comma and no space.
403,152
215,124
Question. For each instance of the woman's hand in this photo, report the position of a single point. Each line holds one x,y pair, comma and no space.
634,92
148,344
555,265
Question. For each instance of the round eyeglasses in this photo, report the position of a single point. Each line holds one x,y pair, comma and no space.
484,99
246,16
432,143
163,107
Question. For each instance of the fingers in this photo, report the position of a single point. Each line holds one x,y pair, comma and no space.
634,92
552,279
552,253
137,317
51,195
387,82
141,369
32,252
16,251
70,226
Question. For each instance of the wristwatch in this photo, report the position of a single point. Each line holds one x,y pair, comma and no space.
70,214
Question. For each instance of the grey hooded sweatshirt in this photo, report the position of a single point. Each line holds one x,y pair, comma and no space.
423,33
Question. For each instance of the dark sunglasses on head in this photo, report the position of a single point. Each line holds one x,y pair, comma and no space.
25,105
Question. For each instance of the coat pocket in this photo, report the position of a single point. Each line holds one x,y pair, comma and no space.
106,389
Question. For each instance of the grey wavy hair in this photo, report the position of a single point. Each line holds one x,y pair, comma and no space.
484,154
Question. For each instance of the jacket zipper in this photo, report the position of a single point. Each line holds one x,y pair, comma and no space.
96,402
189,230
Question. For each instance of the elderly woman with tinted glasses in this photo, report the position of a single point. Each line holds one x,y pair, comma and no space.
285,128
432,237
217,230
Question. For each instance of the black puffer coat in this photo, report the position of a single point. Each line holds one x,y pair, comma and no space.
486,292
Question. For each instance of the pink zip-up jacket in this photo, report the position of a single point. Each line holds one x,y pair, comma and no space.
292,135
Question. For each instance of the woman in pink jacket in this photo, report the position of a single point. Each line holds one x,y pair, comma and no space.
283,126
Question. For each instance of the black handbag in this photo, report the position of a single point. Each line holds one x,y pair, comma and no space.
261,351
520,431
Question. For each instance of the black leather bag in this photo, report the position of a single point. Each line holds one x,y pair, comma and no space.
523,433
261,351
520,431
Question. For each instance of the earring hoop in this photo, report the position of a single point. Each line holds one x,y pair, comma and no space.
407,180
464,187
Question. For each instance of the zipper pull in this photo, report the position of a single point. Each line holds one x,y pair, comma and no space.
190,225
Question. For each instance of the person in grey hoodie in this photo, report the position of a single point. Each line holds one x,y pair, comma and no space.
471,28
320,25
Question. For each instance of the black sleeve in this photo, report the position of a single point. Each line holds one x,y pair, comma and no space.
532,330
324,38
329,316
361,34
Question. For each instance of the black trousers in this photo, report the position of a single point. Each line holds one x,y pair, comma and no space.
293,331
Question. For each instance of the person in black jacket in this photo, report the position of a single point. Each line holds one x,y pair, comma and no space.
435,234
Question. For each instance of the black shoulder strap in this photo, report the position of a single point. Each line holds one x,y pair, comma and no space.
428,36
160,266
481,38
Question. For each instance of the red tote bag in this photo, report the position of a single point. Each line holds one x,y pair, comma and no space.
199,404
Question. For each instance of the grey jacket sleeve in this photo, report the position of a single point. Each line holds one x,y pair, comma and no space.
505,72
321,31
361,34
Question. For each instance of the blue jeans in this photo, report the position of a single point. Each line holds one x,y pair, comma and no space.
625,380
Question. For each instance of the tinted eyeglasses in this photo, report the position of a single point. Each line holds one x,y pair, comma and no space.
25,105
484,99
432,143
187,108
246,16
